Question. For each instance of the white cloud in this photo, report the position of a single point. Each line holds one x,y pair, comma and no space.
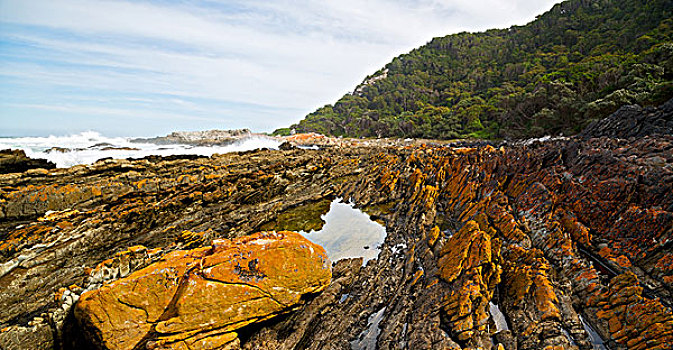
284,54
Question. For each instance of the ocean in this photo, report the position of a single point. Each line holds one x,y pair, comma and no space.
87,147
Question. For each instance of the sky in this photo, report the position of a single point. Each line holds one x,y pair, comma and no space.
149,67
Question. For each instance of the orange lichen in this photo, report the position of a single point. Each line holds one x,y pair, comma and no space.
215,289
528,279
433,235
634,321
24,236
467,262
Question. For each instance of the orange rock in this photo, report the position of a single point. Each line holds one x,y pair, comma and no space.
202,296
467,263
455,256
432,236
527,280
634,320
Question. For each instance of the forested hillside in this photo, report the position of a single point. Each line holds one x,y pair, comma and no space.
576,63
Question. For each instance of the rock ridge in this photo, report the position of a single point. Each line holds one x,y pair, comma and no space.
16,161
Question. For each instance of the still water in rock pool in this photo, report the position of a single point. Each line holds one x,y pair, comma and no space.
348,233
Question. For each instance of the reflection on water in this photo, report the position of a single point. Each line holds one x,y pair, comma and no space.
596,340
348,233
368,337
498,317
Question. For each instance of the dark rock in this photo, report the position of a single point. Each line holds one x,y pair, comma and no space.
59,150
286,146
15,161
633,121
113,148
101,145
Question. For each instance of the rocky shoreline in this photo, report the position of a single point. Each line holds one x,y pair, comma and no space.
559,234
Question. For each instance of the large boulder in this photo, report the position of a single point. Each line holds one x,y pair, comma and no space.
199,298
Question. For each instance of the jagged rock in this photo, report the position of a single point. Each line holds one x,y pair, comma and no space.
15,161
199,298
634,121
468,263
548,227
632,321
58,149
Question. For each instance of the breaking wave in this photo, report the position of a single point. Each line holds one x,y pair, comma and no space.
89,146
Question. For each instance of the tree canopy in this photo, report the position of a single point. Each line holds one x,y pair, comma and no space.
578,62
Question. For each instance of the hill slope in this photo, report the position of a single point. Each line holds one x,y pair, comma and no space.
576,63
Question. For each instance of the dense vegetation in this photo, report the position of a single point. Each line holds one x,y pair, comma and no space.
578,62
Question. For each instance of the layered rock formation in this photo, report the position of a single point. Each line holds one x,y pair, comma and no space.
558,234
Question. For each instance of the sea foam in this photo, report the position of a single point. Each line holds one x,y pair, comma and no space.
87,147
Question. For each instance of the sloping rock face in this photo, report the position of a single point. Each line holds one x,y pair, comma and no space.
634,121
557,234
199,298
15,161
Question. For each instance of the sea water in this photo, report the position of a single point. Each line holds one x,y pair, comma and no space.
87,147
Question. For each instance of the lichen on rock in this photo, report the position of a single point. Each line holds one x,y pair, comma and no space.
202,296
550,231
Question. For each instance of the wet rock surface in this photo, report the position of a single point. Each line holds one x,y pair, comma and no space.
552,232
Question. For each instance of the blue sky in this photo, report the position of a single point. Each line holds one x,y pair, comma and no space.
142,68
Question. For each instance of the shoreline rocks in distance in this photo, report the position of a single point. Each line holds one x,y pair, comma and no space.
200,138
99,147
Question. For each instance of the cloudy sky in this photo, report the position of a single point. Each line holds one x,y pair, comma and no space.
132,68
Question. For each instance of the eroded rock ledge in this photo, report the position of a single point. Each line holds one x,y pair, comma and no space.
555,233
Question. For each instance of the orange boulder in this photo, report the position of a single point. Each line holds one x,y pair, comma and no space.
202,296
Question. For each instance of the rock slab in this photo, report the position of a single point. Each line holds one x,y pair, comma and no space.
199,298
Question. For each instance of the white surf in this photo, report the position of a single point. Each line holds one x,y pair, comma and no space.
89,146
